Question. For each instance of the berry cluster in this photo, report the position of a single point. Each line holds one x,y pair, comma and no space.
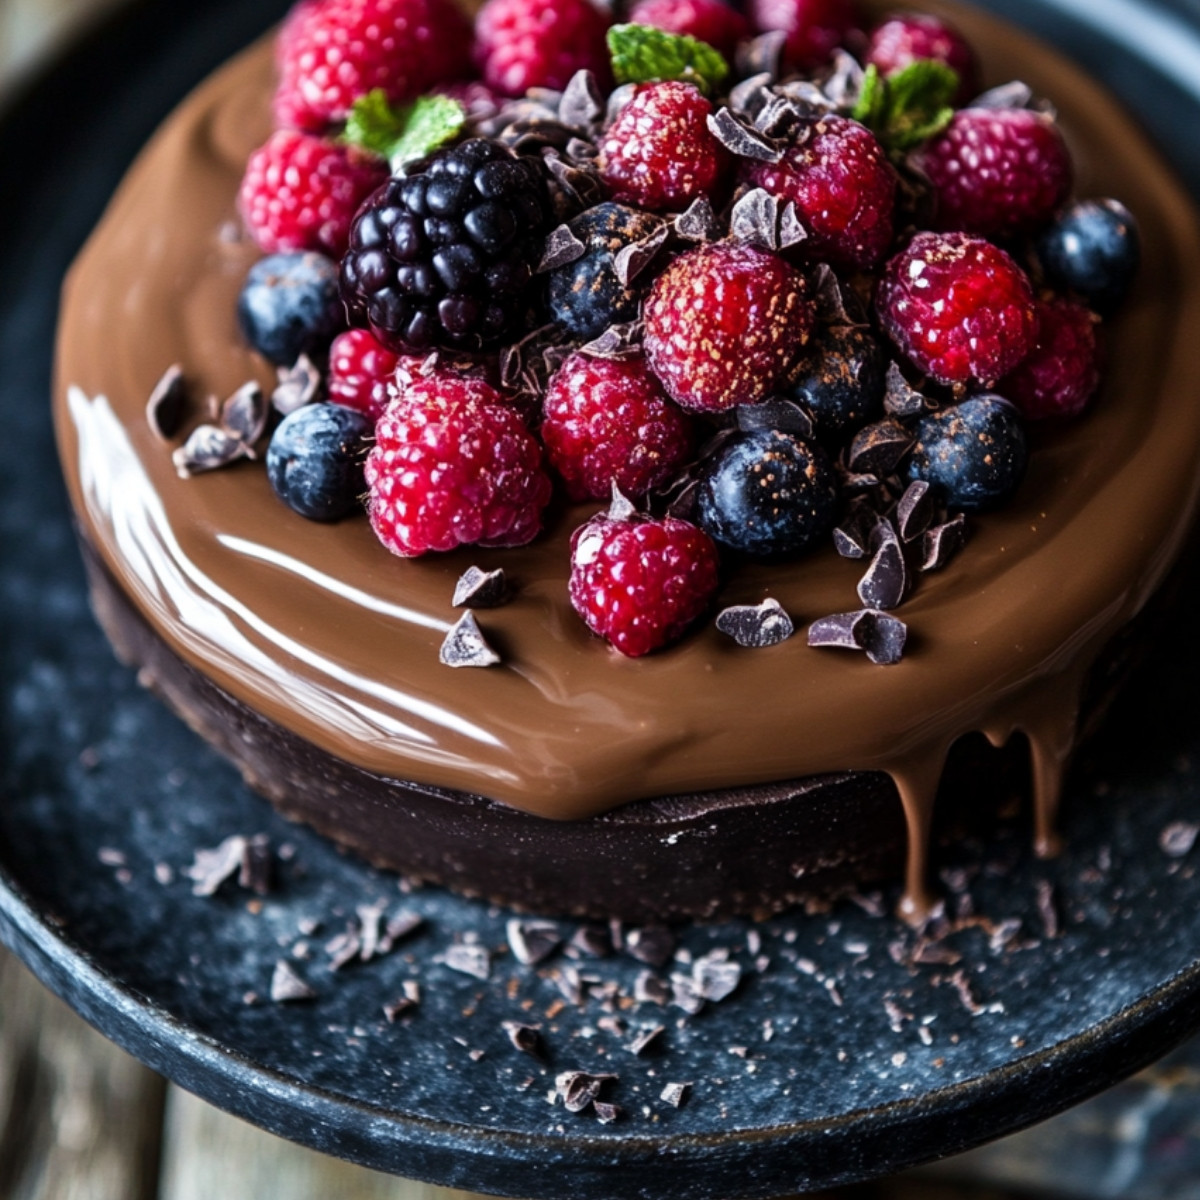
818,303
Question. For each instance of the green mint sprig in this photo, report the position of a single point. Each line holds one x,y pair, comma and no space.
908,108
642,54
405,134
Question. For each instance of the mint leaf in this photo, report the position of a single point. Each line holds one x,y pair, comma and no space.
643,54
909,107
405,134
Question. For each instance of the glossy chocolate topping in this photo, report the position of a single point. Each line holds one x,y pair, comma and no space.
327,634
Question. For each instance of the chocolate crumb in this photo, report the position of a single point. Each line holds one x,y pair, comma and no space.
686,994
1178,838
882,636
468,960
740,139
606,1113
914,512
1048,908
653,945
852,537
164,873
762,55
212,867
621,508
578,1089
645,1039
878,448
886,580
256,865
343,948
962,986
756,626
296,386
698,222
110,857
481,589
244,414
617,342
207,449
476,1055
562,248
630,261
900,398
398,928
569,984
167,406
525,1038
406,1004
287,986
943,542
582,103
532,941
676,1094
715,976
591,941
776,413
369,917
649,988
465,645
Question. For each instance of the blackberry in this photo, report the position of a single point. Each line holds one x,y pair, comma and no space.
840,378
586,297
444,255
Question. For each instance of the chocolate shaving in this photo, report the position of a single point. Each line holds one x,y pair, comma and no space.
207,449
645,1039
582,103
578,1089
398,928
632,260
762,55
676,1094
914,512
617,99
168,403
621,508
686,994
606,1113
715,976
616,342
211,868
756,626
852,482
287,986
943,542
852,537
532,941
477,588
1048,909
698,222
831,298
649,988
653,945
776,413
562,248
244,414
1008,95
753,94
901,399
1178,838
296,386
581,153
881,636
470,960
569,984
465,645
760,219
886,579
962,985
844,85
405,1004
256,865
591,941
344,948
369,917
740,139
778,114
525,1038
878,448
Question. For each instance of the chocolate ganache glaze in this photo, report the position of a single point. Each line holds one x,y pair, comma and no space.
325,638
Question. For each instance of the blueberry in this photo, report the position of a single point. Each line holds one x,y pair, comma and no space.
586,297
974,453
840,379
1093,249
315,460
290,305
767,494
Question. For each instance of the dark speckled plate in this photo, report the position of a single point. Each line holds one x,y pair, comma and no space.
837,1057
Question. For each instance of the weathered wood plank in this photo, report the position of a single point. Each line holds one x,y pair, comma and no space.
79,1119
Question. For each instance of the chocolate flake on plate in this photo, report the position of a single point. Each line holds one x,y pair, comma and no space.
369,918
208,448
1048,909
582,103
739,138
900,398
1178,838
344,948
645,1039
653,945
297,386
676,1094
630,261
406,1003
471,960
649,988
591,941
167,406
878,448
881,636
606,1113
465,645
886,580
532,941
698,222
287,986
398,928
562,248
756,626
716,976
212,867
686,994
244,414
914,512
481,589
941,543
578,1089
776,413
256,865
525,1038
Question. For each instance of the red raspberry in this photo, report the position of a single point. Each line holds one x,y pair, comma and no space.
453,465
723,323
815,28
907,38
639,583
521,44
844,189
362,372
1063,372
301,192
331,52
610,422
958,307
997,171
712,21
659,153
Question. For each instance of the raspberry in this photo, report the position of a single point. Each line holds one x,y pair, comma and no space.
711,21
331,52
844,189
639,583
521,44
453,465
361,372
445,256
997,171
958,307
723,323
610,422
659,153
1062,373
814,28
301,192
907,38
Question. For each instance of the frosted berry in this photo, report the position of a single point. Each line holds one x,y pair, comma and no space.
974,453
639,583
290,305
1062,373
958,307
315,461
997,171
767,494
520,44
453,465
610,422
361,372
844,189
712,21
814,28
840,379
331,52
444,256
723,323
301,192
906,38
1093,249
659,153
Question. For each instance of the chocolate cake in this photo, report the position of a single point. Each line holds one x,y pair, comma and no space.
704,780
